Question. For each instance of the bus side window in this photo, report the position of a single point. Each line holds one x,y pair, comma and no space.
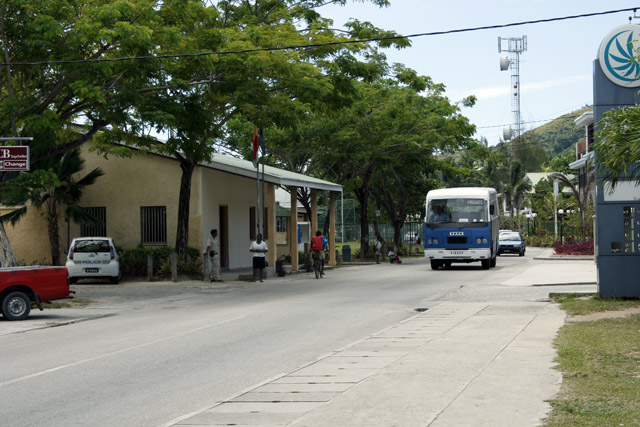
492,209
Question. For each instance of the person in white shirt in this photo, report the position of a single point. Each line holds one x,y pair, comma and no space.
213,251
259,250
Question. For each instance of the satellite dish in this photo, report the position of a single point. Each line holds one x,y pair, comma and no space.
504,62
507,133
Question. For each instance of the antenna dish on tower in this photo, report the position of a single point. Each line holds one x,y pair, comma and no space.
507,133
504,62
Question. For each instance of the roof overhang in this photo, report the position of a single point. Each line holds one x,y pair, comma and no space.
579,164
585,119
271,174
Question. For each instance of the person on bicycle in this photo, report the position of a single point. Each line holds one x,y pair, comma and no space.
317,248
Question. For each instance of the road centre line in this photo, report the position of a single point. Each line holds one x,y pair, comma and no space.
124,350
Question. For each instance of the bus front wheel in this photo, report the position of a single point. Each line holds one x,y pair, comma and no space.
435,264
486,263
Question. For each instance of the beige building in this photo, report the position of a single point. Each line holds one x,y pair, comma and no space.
137,199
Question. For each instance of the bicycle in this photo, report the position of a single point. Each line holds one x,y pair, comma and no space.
317,266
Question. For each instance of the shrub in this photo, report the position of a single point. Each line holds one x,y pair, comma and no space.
540,240
134,260
574,248
193,267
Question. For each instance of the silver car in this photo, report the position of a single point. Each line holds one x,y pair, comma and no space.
93,258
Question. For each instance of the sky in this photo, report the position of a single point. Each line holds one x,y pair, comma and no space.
555,70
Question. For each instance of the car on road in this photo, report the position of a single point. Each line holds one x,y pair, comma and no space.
511,242
93,258
21,287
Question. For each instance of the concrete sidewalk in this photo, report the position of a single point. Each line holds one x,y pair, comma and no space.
459,363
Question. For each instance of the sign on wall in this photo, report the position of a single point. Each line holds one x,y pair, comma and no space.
14,158
617,55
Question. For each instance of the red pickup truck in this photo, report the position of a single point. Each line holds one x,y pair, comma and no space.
20,287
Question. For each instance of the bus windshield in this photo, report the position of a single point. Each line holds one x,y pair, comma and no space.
457,212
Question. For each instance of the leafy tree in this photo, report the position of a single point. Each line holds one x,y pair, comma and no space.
618,145
419,130
528,153
53,189
214,96
560,162
46,95
387,142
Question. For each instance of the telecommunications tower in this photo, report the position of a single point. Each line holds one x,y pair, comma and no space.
515,46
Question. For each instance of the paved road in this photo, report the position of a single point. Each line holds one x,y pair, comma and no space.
154,354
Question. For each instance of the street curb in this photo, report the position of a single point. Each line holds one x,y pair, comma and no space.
565,284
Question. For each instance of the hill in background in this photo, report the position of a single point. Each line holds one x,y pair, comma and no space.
550,146
559,134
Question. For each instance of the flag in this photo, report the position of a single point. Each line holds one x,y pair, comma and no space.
263,149
254,142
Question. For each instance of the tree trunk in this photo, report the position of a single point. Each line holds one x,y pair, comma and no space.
362,194
51,217
397,234
182,235
364,224
325,228
7,259
376,225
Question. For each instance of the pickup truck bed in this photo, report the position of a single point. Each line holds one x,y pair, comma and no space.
20,287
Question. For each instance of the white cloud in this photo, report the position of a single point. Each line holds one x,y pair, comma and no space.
491,92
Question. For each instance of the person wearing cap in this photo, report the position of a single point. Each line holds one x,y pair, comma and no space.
213,251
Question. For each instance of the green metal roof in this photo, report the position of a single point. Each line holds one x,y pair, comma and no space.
274,175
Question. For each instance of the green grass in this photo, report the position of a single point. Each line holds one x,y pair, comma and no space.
579,304
600,363
354,246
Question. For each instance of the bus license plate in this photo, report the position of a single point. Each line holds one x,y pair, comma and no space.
90,270
457,252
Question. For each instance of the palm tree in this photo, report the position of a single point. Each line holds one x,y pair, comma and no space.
516,188
53,189
582,195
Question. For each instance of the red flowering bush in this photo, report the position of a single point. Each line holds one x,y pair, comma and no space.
574,248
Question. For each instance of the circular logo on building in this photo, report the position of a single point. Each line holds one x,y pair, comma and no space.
617,55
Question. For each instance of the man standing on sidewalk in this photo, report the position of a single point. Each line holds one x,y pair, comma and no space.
213,251
259,250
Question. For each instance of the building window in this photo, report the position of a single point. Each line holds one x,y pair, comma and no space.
281,224
100,230
153,224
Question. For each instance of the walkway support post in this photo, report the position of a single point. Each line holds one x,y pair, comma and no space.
293,230
314,212
270,225
332,228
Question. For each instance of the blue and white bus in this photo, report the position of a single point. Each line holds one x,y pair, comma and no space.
461,225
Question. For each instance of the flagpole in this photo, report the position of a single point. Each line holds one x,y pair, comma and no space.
263,150
254,141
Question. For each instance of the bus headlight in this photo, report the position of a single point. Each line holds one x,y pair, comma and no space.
478,240
435,241
429,241
484,240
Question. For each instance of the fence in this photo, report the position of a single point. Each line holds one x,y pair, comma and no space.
410,232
